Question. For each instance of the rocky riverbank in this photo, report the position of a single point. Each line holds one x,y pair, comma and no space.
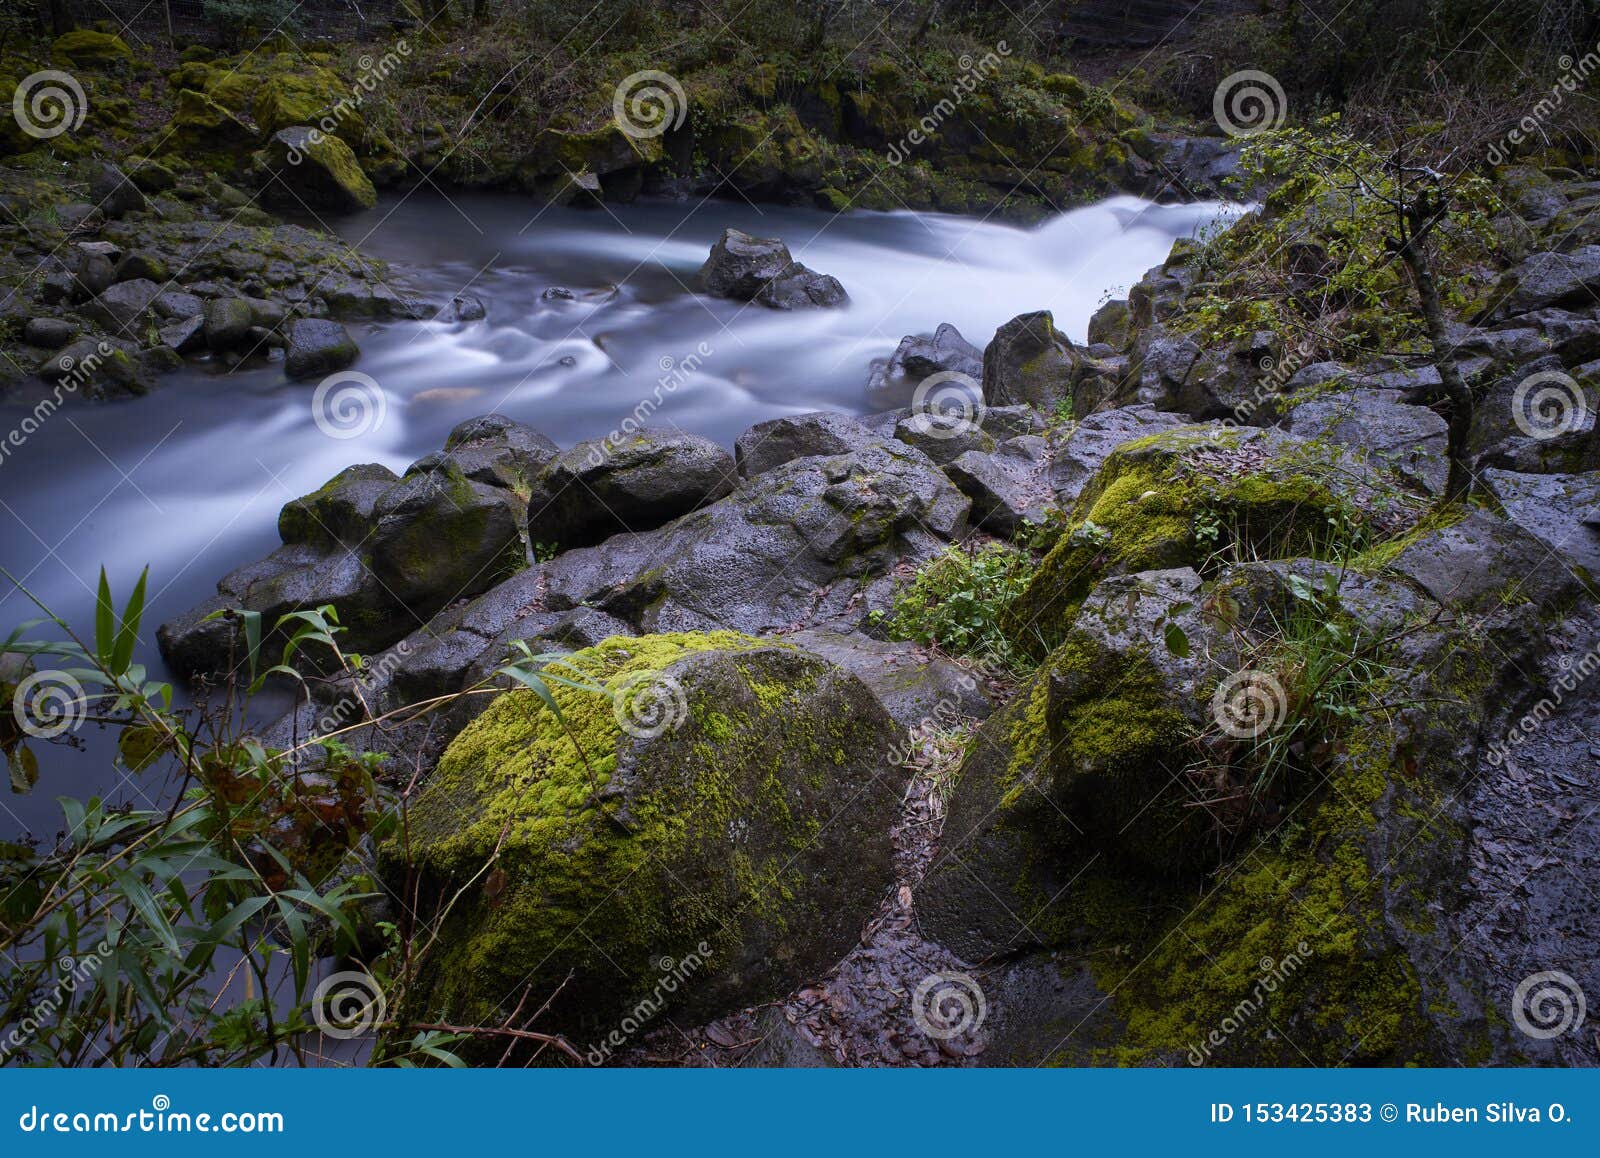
1101,847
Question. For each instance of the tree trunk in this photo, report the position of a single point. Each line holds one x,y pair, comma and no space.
1414,252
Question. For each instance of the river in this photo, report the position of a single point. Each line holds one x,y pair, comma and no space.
189,479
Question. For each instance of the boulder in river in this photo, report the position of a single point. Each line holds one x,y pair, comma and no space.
760,269
718,814
1029,362
318,347
919,356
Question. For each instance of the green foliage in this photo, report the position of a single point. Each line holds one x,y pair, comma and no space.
956,602
1316,266
238,20
150,935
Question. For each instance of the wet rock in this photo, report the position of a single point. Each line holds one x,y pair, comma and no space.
318,347
1549,279
917,357
780,440
463,308
316,170
698,755
125,308
741,265
759,269
176,304
601,488
800,288
499,451
439,536
49,333
227,322
1029,363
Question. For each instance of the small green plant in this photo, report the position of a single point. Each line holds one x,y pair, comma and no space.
955,602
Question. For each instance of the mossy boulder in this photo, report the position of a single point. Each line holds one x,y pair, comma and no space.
287,99
312,169
86,48
731,807
1207,492
204,133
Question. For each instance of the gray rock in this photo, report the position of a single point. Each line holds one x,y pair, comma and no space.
799,288
1085,448
917,357
780,440
1549,279
499,451
1008,487
914,687
1029,363
49,333
601,488
740,265
141,264
944,439
176,304
318,347
228,322
1408,439
1563,510
125,308
185,335
114,193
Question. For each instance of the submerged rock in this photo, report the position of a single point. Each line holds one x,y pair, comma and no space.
318,347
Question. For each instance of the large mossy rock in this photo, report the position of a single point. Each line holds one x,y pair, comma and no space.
86,48
1359,915
205,134
314,170
1180,497
732,805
